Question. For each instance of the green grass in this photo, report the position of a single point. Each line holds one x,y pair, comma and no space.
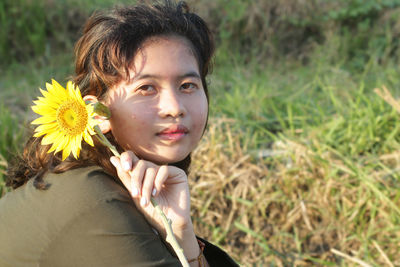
352,141
11,140
296,100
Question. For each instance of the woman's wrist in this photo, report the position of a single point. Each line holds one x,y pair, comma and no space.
188,241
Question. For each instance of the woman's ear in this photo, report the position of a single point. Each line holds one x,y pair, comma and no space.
104,124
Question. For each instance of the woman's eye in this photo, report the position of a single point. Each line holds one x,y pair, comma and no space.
189,86
146,89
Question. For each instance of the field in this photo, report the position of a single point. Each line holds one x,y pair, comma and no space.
300,163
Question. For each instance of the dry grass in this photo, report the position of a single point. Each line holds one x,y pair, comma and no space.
3,167
303,205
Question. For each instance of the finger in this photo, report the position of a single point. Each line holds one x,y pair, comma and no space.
128,159
161,177
137,177
148,185
123,176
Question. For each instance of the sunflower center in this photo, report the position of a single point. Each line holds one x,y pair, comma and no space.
72,117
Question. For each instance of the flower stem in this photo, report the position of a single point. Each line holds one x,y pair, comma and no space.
170,238
101,137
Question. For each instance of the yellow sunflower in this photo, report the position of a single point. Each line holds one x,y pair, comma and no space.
65,119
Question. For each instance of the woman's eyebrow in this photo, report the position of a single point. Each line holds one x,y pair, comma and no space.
191,74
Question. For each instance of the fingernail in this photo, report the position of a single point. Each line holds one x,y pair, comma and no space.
143,201
126,165
154,192
113,161
135,191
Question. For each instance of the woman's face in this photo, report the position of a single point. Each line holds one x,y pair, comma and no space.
160,114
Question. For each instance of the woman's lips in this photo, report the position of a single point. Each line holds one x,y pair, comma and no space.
173,133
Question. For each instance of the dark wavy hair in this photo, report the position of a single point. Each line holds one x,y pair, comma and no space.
104,55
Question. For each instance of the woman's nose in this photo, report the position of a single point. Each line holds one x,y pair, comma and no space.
171,104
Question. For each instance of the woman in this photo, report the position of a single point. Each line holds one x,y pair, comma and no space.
148,64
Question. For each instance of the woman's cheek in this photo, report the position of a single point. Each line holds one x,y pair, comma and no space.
204,113
200,123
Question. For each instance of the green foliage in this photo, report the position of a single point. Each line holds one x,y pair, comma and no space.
262,29
11,140
11,133
380,132
272,30
360,9
24,29
41,28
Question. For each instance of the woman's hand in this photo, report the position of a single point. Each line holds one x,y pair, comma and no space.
167,184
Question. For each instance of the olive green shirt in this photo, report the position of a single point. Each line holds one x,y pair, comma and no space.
85,218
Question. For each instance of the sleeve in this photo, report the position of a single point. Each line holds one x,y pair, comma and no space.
216,256
110,233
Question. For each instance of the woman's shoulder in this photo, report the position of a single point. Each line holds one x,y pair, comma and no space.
83,211
72,189
90,184
68,194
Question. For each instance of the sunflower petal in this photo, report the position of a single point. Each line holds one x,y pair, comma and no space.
75,146
49,86
46,102
43,110
60,143
88,139
44,120
78,147
56,85
53,147
66,151
47,128
50,138
63,143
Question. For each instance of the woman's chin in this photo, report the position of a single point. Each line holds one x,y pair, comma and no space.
161,159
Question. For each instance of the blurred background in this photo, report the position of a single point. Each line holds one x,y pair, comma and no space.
300,162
